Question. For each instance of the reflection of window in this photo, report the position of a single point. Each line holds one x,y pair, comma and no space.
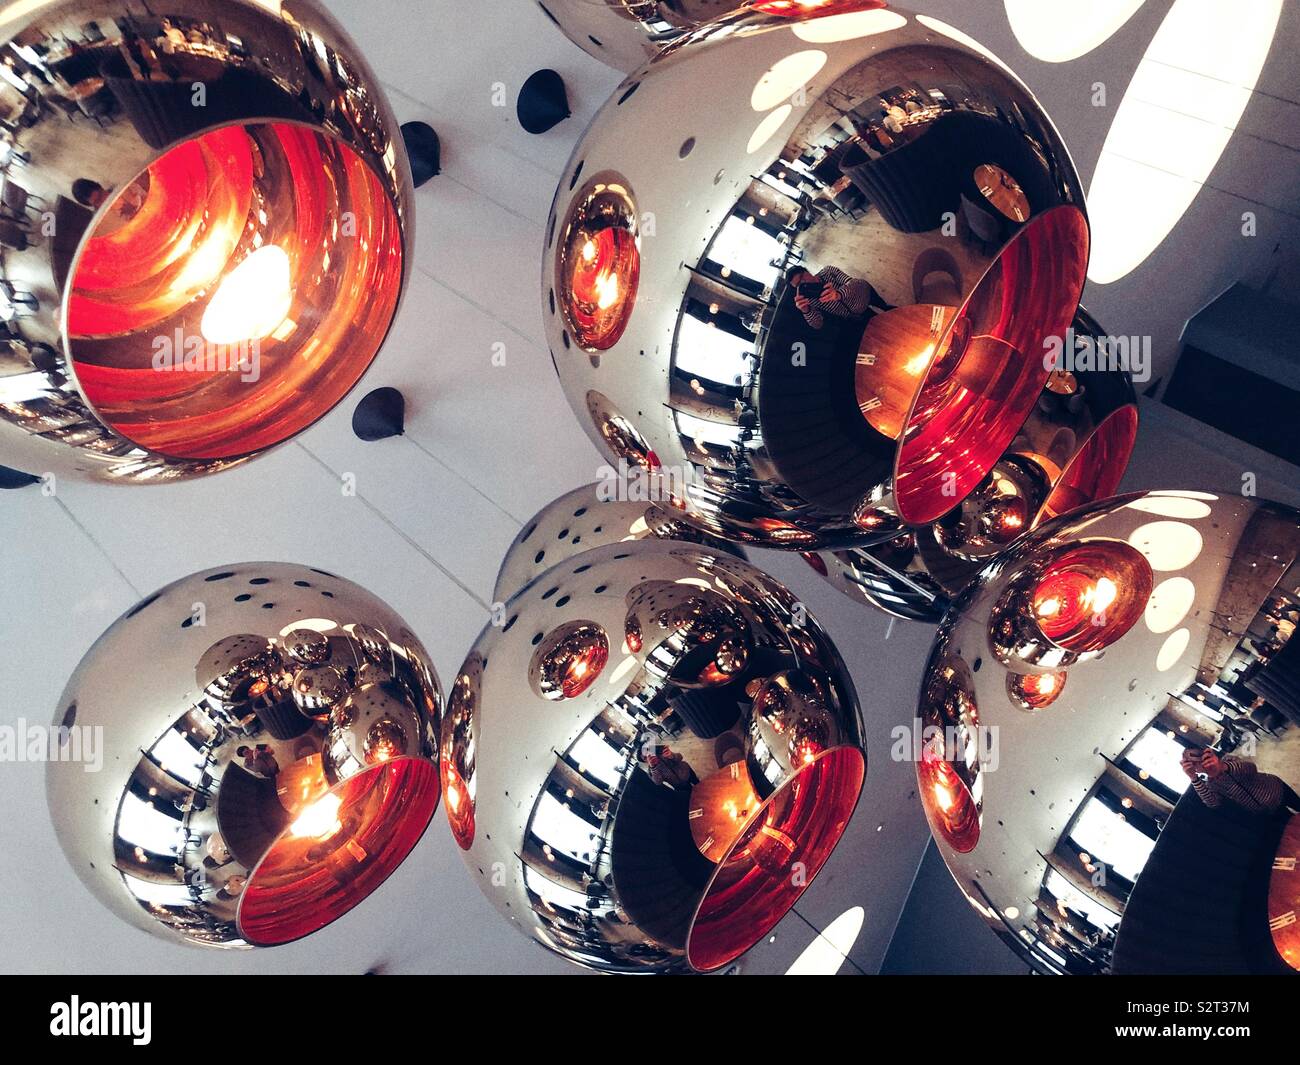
158,894
721,434
1111,840
712,354
561,829
178,757
596,758
143,825
747,250
1068,895
559,896
1159,754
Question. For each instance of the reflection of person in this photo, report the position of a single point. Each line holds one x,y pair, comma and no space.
1238,781
259,760
840,295
669,767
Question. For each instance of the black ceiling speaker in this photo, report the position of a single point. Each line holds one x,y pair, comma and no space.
543,103
380,415
16,478
424,150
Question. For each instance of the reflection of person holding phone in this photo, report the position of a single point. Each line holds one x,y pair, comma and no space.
1238,781
830,291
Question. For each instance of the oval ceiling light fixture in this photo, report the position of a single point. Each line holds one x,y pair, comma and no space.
1057,31
269,755
658,749
852,304
224,276
1177,115
1077,847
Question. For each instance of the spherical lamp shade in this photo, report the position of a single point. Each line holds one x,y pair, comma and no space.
225,272
269,735
650,759
589,517
1109,738
831,289
627,34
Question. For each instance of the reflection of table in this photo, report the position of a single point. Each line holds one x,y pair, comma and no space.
1284,895
721,804
896,351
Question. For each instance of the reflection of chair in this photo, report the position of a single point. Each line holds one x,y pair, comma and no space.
946,290
1200,905
12,235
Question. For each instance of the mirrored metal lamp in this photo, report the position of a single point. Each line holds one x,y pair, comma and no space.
1068,703
205,231
269,741
829,292
651,758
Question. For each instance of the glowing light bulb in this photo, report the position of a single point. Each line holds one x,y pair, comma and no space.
589,251
252,301
320,820
607,291
1048,607
1104,594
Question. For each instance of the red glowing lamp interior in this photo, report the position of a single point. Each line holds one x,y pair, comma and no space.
459,805
949,806
1095,472
338,850
754,885
234,291
601,288
1091,595
976,396
1036,691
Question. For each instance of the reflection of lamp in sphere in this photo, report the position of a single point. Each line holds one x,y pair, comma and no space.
296,782
227,274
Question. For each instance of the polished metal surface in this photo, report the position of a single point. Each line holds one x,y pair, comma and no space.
1072,450
268,736
627,33
97,98
586,518
1068,699
651,757
915,184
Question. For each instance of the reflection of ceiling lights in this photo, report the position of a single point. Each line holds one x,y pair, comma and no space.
1173,124
848,26
1168,545
1057,31
786,77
